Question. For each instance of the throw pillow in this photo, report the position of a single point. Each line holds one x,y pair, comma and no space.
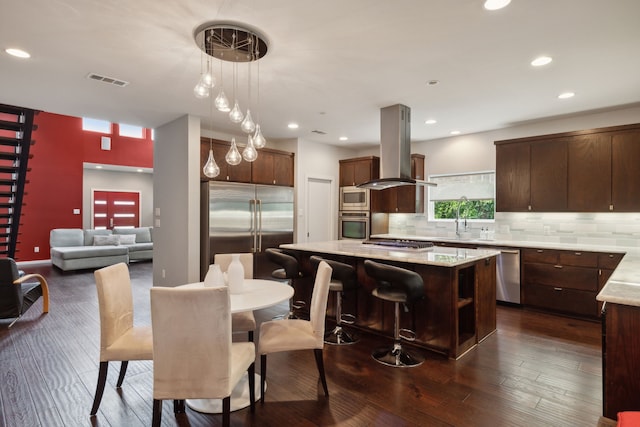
127,239
110,240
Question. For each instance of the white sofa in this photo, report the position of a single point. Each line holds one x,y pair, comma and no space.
75,249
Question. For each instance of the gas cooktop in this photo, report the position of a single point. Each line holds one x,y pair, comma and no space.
400,244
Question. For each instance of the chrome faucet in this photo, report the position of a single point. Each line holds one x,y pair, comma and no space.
462,199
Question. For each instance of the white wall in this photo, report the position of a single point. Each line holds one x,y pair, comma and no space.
94,179
176,199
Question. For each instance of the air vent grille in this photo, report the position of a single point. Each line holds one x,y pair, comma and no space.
105,79
319,132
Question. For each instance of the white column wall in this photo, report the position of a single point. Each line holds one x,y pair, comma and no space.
176,198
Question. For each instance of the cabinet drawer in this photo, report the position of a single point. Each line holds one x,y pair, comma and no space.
561,276
570,301
609,261
540,255
580,259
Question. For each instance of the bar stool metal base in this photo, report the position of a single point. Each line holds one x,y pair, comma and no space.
397,357
339,336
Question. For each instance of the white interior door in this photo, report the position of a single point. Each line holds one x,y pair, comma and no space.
321,216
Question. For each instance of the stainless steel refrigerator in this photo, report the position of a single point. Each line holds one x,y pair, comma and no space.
238,218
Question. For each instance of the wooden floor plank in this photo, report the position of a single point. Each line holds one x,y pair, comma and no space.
536,370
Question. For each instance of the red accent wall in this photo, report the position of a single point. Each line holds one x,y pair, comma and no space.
54,187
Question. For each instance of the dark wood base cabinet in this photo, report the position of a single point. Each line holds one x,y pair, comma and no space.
565,282
620,359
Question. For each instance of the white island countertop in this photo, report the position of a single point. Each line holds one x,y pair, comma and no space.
436,255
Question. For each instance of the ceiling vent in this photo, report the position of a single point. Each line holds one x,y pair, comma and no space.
319,132
105,79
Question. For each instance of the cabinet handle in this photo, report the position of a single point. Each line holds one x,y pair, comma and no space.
539,251
557,289
557,266
529,207
610,255
578,253
610,207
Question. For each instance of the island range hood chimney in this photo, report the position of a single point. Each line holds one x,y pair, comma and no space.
395,149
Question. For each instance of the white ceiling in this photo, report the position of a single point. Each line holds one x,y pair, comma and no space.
331,64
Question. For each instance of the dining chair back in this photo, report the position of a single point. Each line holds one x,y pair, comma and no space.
243,321
120,340
299,334
194,356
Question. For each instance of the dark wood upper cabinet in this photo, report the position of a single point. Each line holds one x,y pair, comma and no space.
590,173
405,198
272,167
585,171
359,170
625,176
513,164
549,175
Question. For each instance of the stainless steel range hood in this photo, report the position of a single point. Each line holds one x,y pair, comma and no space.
395,149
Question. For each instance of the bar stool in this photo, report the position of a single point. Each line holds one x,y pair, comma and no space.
399,286
290,271
343,279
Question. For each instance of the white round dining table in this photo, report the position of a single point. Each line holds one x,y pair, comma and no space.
256,294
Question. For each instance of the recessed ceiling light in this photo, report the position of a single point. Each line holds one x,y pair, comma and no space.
566,95
455,132
18,53
431,121
496,4
541,60
98,166
343,138
293,126
139,170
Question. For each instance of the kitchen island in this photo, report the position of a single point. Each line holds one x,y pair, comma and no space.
459,308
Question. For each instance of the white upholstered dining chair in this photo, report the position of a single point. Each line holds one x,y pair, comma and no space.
244,321
299,334
194,357
120,340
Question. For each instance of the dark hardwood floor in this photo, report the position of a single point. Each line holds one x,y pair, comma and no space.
536,370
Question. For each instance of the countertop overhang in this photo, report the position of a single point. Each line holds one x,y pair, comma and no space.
437,255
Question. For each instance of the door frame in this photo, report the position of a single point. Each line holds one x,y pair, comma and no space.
332,203
92,204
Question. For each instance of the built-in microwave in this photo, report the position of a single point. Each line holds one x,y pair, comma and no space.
354,199
354,225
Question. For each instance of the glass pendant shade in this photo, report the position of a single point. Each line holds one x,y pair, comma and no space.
208,80
235,115
222,102
201,91
249,153
247,125
233,157
258,139
211,169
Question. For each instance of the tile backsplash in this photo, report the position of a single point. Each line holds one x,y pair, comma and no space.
602,229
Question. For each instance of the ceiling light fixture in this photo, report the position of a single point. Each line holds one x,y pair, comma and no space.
566,95
455,132
496,4
18,53
541,60
237,44
293,126
431,121
343,138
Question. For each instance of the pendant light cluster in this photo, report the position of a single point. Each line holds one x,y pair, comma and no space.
235,44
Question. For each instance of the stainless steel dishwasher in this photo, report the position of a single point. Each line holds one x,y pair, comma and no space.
508,275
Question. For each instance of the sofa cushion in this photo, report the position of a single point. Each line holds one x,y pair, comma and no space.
89,234
77,252
127,239
111,239
143,234
66,237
